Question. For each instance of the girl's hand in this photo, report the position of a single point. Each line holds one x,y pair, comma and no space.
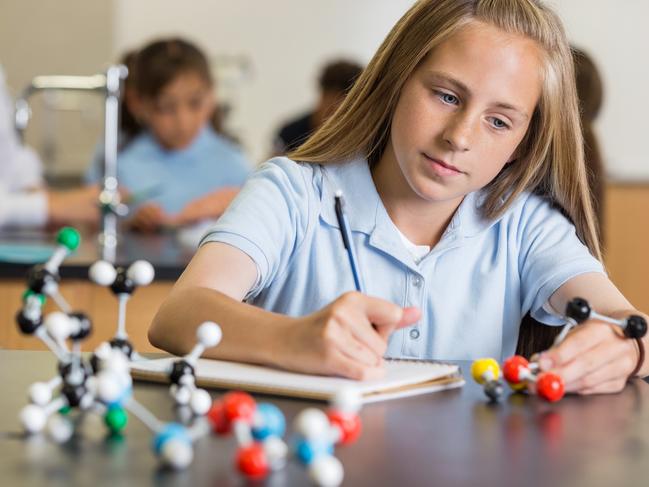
148,218
347,338
594,358
210,206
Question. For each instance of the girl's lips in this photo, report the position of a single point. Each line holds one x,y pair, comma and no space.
442,168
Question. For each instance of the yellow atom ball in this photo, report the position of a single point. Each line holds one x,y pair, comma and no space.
520,387
481,369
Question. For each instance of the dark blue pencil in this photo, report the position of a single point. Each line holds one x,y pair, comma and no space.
347,240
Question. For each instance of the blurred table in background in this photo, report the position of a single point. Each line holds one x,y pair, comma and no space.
164,251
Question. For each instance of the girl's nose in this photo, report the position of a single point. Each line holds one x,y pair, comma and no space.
457,134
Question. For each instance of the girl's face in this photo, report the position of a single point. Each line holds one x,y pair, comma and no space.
180,111
463,112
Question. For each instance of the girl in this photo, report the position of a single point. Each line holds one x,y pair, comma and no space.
459,151
179,164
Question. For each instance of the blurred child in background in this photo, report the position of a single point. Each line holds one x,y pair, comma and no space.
177,164
335,81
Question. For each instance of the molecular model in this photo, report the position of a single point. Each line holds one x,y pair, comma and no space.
103,385
519,372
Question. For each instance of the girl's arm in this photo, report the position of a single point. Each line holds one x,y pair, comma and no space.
337,340
595,357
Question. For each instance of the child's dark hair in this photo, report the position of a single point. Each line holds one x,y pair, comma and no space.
339,76
161,61
129,125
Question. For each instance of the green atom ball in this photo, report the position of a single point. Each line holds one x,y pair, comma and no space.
68,237
65,410
116,419
29,293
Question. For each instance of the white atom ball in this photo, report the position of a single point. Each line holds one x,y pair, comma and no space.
40,393
326,471
178,454
141,273
209,334
200,402
33,418
102,273
347,400
313,424
58,325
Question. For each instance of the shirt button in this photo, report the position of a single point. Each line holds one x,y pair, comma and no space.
417,281
414,333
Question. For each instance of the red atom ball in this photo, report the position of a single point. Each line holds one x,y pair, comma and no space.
251,461
512,368
216,416
239,406
550,386
348,424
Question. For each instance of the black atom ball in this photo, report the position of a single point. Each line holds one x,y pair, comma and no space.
636,327
27,325
85,326
578,309
38,277
180,369
122,284
494,390
73,393
123,345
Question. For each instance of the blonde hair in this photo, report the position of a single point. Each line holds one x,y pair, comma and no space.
550,158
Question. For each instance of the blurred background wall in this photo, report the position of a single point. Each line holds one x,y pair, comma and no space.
279,46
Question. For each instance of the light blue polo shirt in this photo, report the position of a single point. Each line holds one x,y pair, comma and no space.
472,288
173,178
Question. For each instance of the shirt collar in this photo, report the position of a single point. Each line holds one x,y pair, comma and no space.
195,147
364,208
354,179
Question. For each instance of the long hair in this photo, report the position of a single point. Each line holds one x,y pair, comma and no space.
550,158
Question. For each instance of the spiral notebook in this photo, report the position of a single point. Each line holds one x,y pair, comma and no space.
403,378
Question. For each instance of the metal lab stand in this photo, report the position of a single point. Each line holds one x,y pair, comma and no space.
110,84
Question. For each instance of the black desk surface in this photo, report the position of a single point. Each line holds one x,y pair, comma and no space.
164,251
448,438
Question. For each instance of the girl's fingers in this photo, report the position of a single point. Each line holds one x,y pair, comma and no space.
603,355
411,315
378,311
361,331
608,387
584,337
342,337
340,364
617,369
387,316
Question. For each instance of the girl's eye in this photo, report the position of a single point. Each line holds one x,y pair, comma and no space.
498,123
447,98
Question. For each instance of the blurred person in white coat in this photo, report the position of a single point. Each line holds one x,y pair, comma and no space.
24,199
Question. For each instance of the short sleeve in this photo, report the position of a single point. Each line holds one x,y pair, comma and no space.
550,255
268,219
